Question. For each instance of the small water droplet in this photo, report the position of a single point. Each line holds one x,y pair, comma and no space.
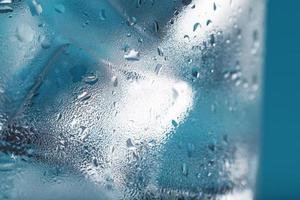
212,147
196,25
129,143
102,15
184,169
114,80
133,55
91,79
225,138
131,21
140,40
60,8
156,26
190,149
195,73
138,3
95,162
1,91
212,40
58,117
186,37
45,42
174,123
158,68
208,22
160,51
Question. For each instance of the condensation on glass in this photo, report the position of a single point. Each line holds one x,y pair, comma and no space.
130,99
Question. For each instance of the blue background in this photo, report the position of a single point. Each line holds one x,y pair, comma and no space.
279,176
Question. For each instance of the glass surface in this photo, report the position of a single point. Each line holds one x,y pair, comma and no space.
130,99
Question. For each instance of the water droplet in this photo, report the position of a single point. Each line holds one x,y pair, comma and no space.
7,166
225,138
152,143
95,162
195,73
83,96
24,33
5,1
184,169
213,108
114,79
140,40
208,22
156,26
174,123
5,9
131,21
102,15
91,79
190,149
45,42
186,37
139,3
160,51
133,55
59,8
1,91
129,143
36,8
58,117
158,68
212,147
196,25
212,40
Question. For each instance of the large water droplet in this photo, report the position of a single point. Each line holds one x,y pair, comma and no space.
5,1
83,96
36,8
24,33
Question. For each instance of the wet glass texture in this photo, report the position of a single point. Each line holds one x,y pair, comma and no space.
130,99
